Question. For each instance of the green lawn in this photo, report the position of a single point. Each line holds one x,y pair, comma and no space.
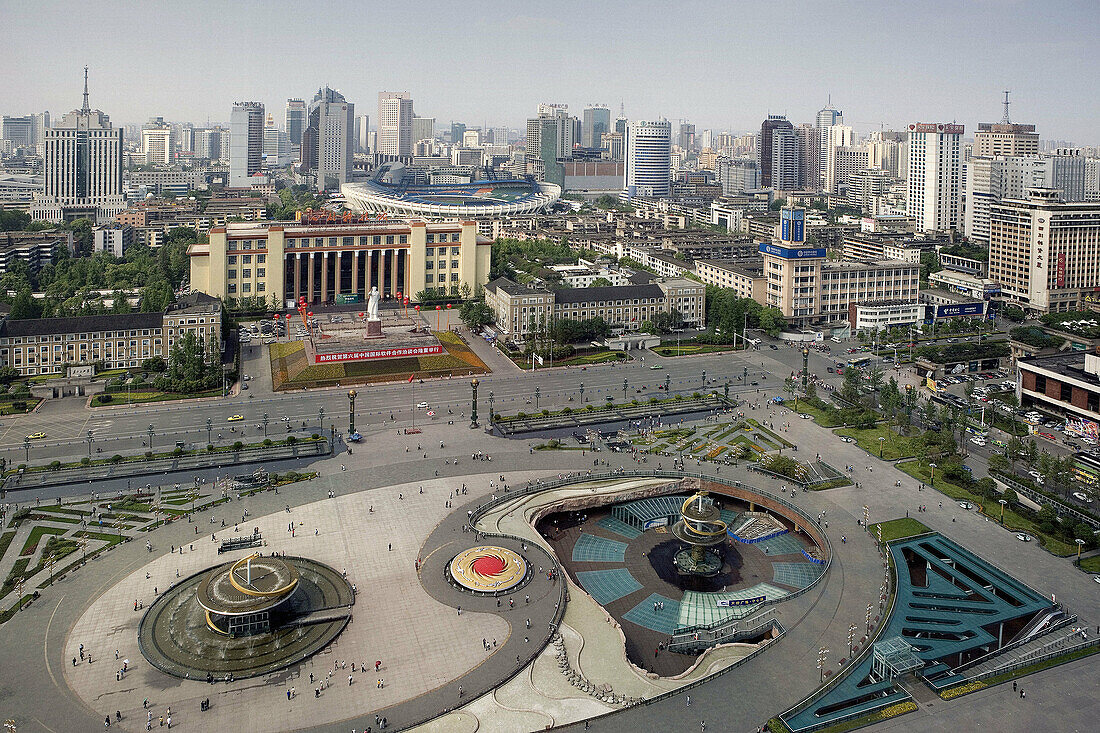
897,529
5,542
775,437
819,416
688,349
1091,564
895,446
37,533
121,398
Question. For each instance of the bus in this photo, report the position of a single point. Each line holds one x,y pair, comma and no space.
1086,469
861,362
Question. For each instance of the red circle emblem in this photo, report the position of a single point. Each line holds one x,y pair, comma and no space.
488,565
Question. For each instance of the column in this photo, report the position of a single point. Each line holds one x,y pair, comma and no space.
393,273
355,272
296,258
372,270
324,277
309,280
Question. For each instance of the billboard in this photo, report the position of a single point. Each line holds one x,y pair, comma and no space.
947,129
379,354
1083,428
792,254
959,309
1061,269
730,602
792,225
658,522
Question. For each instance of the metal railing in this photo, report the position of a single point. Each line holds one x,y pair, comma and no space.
724,633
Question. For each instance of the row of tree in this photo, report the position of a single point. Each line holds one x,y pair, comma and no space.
728,314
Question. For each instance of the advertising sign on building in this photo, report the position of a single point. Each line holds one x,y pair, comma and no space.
658,522
792,225
1061,269
730,602
1083,428
959,309
380,354
792,254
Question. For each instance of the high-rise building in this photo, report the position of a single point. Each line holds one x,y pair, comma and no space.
1005,138
295,122
329,134
808,150
246,142
362,134
765,155
826,118
19,130
648,169
620,125
471,139
597,121
549,138
395,116
1044,251
423,128
933,183
836,136
738,175
686,139
158,142
209,143
83,168
277,150
458,129
500,136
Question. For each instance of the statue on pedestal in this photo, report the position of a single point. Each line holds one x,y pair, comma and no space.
372,305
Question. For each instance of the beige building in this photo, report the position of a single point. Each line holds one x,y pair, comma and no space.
339,262
520,309
1044,253
744,277
1005,139
49,345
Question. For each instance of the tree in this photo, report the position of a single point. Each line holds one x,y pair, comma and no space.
874,378
667,322
1013,313
601,282
476,314
192,367
24,306
772,321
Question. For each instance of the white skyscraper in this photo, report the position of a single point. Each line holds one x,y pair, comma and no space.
395,116
836,136
826,118
648,169
158,142
83,168
246,142
328,141
362,133
932,190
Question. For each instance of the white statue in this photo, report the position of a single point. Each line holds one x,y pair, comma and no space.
372,305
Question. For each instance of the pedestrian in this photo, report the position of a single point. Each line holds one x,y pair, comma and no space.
1022,696
349,680
288,694
107,722
291,692
1014,686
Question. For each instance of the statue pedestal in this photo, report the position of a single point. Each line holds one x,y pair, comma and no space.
374,328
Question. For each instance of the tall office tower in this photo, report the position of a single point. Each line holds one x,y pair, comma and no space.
826,118
83,168
362,133
295,122
932,189
648,169
158,142
786,165
837,136
620,125
685,140
597,121
884,152
246,142
991,179
458,129
423,128
1044,251
706,139
549,138
277,150
395,116
19,130
471,139
808,150
738,175
41,124
209,143
764,147
500,136
1005,138
330,136
613,143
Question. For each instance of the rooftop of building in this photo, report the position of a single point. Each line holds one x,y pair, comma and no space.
946,295
605,293
885,303
513,288
196,302
81,324
1066,363
868,264
751,267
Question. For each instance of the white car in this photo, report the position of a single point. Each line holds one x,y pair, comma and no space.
422,405
1034,474
1023,537
804,416
1081,496
966,505
846,439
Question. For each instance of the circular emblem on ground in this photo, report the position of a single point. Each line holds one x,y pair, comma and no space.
488,569
245,618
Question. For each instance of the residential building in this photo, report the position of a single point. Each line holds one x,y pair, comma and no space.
745,277
395,116
114,239
648,170
329,138
550,139
285,261
458,129
295,122
836,136
210,143
19,130
246,142
765,153
521,309
596,124
158,142
933,183
1043,251
738,175
83,168
902,247
826,118
118,341
809,148
34,249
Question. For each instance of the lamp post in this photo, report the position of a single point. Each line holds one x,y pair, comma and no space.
265,424
805,368
27,448
932,480
668,380
351,410
209,427
881,445
150,438
321,418
626,386
582,391
492,414
851,639
822,655
473,407
1002,502
704,377
89,444
1080,543
726,390
538,393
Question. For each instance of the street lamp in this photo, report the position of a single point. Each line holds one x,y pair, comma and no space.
881,445
668,380
321,418
704,377
805,368
491,412
265,424
582,391
150,438
1002,502
1080,543
851,638
473,407
27,448
626,385
538,393
822,655
932,480
89,444
351,411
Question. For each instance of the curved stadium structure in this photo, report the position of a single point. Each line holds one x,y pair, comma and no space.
389,193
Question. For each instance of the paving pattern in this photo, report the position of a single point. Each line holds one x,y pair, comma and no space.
796,574
619,527
592,548
662,620
608,585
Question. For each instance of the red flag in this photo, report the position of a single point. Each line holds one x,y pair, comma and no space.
411,377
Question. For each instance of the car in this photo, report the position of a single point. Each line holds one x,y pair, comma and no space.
1034,474
755,384
234,418
847,439
247,377
36,436
1081,496
774,347
1096,578
804,416
830,369
1049,436
422,405
1022,537
966,505
656,366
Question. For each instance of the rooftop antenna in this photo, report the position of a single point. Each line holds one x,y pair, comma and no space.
622,109
86,108
1005,120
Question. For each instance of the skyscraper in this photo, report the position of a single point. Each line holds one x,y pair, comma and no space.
826,118
1005,138
764,154
597,121
295,122
836,137
423,128
395,116
83,168
246,142
19,130
458,129
648,169
549,138
330,136
158,142
808,151
932,190
362,133
209,143
686,139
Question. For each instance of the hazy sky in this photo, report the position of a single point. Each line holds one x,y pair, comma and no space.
717,64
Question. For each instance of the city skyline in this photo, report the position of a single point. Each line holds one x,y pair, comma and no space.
937,62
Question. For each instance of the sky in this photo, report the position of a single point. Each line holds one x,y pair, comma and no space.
721,65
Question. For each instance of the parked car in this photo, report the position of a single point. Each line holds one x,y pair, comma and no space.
1022,537
1082,496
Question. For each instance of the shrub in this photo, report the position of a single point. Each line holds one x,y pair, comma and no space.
545,412
177,452
116,458
55,465
291,440
148,455
238,445
521,415
209,447
315,436
105,398
85,461
267,442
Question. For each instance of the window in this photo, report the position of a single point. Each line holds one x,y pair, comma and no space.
454,277
455,251
428,265
261,287
389,239
232,259
428,279
246,259
261,259
429,251
246,287
442,277
261,272
454,264
232,288
246,272
442,265
403,239
232,275
454,237
431,240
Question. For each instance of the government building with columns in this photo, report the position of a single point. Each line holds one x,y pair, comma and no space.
338,262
